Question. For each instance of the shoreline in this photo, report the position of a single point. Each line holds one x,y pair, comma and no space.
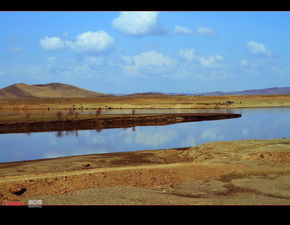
243,172
254,171
100,122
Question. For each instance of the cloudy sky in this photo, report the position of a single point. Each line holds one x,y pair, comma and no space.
126,52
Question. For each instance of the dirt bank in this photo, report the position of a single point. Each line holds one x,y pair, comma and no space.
236,172
109,121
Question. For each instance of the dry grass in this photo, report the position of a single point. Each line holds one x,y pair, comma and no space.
156,101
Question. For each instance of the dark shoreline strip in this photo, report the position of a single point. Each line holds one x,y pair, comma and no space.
113,122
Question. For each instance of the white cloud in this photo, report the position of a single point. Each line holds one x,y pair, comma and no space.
244,63
51,43
204,31
138,23
182,30
91,42
93,60
151,61
211,61
187,31
85,42
258,48
152,58
127,60
188,54
191,64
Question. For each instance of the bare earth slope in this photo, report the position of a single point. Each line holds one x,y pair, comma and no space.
52,90
251,172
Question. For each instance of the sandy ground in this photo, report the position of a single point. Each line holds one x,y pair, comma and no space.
245,172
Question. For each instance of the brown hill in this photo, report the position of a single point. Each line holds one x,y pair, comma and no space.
52,90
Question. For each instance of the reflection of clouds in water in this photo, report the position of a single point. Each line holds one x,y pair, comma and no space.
254,123
245,131
77,151
211,134
190,141
149,137
88,142
53,155
93,138
52,140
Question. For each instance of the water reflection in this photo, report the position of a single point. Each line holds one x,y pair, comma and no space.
254,124
67,133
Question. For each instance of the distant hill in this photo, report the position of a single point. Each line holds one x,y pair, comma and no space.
146,94
51,90
266,91
58,90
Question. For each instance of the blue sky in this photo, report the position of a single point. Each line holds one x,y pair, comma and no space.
165,51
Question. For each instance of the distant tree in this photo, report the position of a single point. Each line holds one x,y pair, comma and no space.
133,111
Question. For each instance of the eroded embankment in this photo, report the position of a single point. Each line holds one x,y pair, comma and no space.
112,122
234,172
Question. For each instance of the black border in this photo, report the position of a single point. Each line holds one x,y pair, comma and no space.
185,5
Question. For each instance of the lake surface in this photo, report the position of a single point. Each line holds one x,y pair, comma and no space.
262,123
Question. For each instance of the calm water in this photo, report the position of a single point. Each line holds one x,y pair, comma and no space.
263,123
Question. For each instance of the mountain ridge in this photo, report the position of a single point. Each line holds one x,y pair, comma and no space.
60,90
50,90
264,91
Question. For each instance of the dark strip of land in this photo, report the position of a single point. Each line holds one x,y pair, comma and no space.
117,121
